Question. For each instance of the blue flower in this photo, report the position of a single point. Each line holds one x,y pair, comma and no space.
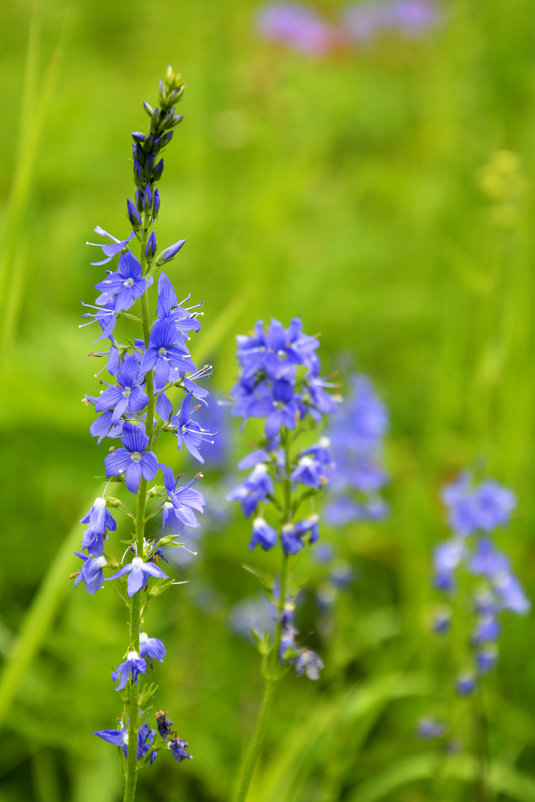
308,526
168,307
487,629
486,660
133,666
477,508
466,685
91,572
99,519
111,250
118,737
428,729
297,26
139,574
121,289
189,431
510,593
442,622
151,647
309,472
145,737
166,350
256,488
447,558
133,460
178,747
309,663
290,539
127,397
171,251
103,426
178,511
263,535
105,316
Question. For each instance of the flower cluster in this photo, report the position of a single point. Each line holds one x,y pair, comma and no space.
136,407
474,511
355,435
303,29
280,383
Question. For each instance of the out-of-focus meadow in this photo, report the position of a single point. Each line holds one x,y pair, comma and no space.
384,193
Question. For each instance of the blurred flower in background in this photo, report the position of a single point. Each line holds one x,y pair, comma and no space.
302,28
296,26
356,434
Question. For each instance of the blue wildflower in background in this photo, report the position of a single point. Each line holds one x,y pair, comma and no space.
295,25
475,579
302,28
280,384
356,475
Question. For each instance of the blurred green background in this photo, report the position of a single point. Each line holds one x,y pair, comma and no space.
385,194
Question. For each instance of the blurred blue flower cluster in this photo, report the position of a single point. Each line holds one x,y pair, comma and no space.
303,29
355,435
470,563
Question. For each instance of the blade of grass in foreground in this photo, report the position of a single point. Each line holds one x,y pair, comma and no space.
32,119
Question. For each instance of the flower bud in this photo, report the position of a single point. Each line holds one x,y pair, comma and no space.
133,215
150,248
170,252
156,204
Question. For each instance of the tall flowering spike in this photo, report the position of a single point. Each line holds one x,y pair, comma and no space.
138,376
280,383
476,581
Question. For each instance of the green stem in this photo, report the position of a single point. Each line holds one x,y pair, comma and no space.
132,702
483,790
273,673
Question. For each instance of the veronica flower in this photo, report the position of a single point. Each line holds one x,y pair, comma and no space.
166,350
429,728
103,427
487,575
133,460
178,511
127,397
91,572
118,737
308,472
256,488
295,25
168,307
122,288
263,535
105,316
178,747
188,431
139,574
309,663
482,508
160,346
151,647
112,249
99,519
133,666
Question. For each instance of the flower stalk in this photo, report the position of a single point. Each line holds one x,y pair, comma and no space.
142,374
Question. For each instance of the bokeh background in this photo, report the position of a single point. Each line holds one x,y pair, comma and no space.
382,191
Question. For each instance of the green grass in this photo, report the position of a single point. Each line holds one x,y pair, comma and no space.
348,191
